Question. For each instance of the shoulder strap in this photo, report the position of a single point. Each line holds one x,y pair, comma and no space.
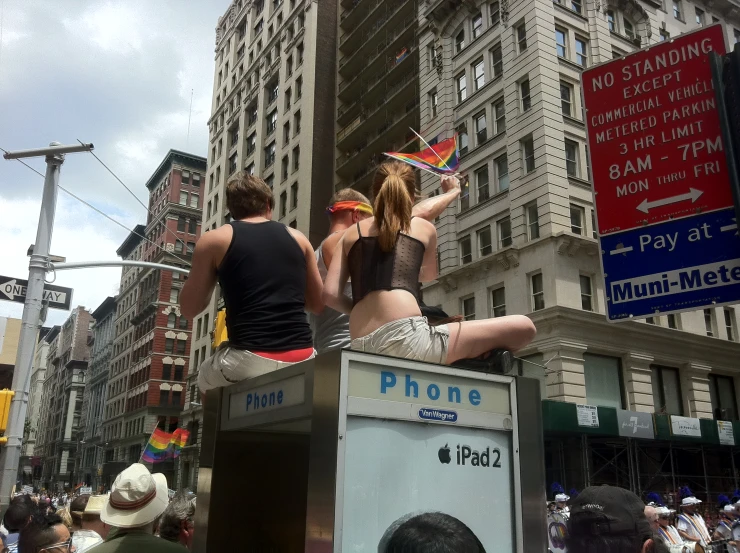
358,230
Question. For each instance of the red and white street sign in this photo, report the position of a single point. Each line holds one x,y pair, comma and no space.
654,134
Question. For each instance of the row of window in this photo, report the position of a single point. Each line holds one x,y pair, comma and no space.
497,298
173,345
283,203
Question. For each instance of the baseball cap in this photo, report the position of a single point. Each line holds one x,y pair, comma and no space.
608,511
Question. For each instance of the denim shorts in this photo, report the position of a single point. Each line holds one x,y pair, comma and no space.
410,338
230,365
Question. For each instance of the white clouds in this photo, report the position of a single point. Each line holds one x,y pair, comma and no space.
116,28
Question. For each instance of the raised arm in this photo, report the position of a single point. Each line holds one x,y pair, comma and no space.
196,293
433,207
429,267
336,279
314,286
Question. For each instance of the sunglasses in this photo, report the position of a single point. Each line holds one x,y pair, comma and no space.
62,546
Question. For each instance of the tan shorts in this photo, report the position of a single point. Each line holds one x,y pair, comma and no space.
410,338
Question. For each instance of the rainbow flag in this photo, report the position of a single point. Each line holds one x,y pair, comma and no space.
158,448
177,442
429,158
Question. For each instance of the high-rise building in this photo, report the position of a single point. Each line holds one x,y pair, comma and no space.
273,116
10,331
151,350
377,86
101,348
506,77
58,437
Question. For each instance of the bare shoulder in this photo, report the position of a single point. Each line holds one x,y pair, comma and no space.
422,225
217,237
299,237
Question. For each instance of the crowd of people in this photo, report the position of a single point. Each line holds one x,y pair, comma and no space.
136,516
361,287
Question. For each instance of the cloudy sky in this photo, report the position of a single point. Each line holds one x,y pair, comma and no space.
118,74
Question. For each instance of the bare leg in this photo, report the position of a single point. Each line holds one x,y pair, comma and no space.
473,338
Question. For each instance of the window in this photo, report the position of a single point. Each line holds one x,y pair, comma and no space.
460,41
194,200
433,102
481,183
533,221
183,323
251,115
297,122
171,319
169,344
575,5
581,53
664,35
524,95
283,204
174,295
484,241
288,98
504,232
499,113
538,294
699,14
561,43
183,198
497,61
462,88
271,122
284,167
466,253
286,133
465,193
571,158
180,347
197,334
528,153
232,164
666,390
566,98
468,309
477,25
611,21
521,37
650,320
672,321
498,302
722,394
178,246
577,216
299,86
478,74
250,169
181,222
502,172
730,324
709,321
299,53
495,11
603,380
251,143
163,396
272,93
462,139
629,29
586,293
481,131
270,155
296,158
293,196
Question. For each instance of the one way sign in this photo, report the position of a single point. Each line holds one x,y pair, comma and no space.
14,289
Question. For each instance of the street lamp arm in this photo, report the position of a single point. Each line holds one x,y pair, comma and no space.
116,263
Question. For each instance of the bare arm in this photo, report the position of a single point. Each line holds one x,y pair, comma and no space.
685,536
431,208
429,270
314,286
196,293
336,279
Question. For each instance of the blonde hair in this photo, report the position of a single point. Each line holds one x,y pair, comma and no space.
394,189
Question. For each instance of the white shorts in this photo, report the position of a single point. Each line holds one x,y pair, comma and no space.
411,338
230,365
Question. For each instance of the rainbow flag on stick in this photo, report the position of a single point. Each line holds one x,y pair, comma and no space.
163,445
442,158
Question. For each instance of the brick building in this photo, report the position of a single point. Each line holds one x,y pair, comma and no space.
147,378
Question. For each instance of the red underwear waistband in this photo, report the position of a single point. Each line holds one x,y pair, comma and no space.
292,356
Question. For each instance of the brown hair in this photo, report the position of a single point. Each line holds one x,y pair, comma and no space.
248,196
394,188
348,195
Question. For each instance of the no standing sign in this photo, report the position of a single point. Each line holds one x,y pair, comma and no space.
661,189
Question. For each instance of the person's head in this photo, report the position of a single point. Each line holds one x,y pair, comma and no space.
664,516
430,533
17,515
688,505
607,519
347,207
562,500
63,513
249,196
176,524
76,508
394,189
136,500
45,534
651,515
91,515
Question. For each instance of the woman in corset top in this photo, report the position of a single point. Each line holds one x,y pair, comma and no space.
386,257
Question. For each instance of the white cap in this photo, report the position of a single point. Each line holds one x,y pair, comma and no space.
663,510
690,501
729,508
561,497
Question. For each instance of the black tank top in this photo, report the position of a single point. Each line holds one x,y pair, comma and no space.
371,269
263,278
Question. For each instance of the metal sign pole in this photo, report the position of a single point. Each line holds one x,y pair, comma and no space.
32,309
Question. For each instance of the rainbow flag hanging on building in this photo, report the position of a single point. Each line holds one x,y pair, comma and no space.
442,157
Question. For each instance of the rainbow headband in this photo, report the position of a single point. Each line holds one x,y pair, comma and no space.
349,206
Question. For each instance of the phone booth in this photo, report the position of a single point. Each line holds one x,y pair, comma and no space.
326,455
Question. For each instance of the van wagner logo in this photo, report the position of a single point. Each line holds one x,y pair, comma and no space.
466,455
440,415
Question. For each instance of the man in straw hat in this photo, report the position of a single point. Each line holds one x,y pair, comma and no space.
691,524
136,500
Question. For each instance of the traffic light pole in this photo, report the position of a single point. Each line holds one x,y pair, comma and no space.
32,311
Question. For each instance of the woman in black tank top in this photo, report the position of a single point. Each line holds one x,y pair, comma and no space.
386,258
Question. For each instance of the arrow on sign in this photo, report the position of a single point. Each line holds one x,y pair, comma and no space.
8,289
693,195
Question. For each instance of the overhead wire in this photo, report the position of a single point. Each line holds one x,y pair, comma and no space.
99,211
177,238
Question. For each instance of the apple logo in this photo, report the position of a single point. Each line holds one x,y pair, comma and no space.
444,455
